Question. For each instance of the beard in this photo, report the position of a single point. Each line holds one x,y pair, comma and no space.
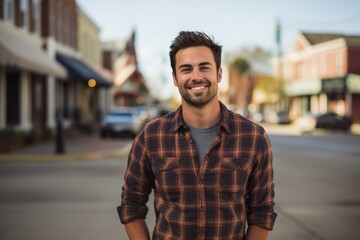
198,99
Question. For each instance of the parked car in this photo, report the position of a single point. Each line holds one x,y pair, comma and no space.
122,120
276,117
256,116
306,123
333,121
330,120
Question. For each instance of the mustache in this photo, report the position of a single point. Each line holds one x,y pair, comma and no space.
194,83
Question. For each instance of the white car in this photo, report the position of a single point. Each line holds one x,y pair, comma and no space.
124,120
306,123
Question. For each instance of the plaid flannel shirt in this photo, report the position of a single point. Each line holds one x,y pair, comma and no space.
233,186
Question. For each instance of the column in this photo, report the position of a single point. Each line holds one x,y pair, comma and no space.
25,102
51,87
323,104
51,103
2,98
314,105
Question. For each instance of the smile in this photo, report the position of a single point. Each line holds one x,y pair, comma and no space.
196,88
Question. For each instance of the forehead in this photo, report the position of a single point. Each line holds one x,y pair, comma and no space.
194,56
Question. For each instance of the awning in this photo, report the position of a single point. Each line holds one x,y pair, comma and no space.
19,53
79,71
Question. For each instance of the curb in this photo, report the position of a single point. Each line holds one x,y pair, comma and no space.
66,157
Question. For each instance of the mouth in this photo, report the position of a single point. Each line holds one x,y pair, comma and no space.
197,88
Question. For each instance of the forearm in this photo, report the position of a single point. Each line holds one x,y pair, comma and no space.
256,233
137,230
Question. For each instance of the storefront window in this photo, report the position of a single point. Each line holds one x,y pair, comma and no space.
23,14
36,17
8,10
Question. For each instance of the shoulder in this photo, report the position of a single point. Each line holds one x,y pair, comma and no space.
161,124
243,124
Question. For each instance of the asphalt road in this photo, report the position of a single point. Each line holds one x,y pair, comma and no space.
317,187
317,194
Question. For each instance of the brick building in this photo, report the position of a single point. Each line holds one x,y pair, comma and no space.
322,74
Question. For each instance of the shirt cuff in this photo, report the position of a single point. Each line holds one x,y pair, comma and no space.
263,217
130,213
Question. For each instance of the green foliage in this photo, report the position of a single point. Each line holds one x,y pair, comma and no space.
241,64
11,135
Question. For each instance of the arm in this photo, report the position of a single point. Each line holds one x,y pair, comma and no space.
256,233
136,190
260,201
137,230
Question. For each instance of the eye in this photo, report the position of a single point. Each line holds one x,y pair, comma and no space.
185,70
205,68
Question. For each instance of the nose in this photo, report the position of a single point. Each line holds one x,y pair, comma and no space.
196,74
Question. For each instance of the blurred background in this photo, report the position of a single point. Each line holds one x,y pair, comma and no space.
78,76
69,63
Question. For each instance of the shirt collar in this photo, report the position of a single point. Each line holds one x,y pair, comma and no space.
224,122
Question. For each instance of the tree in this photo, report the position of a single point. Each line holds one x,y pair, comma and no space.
241,65
250,70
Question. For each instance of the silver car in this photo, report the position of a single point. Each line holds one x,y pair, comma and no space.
124,120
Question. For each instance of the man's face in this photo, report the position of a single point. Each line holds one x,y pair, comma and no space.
196,75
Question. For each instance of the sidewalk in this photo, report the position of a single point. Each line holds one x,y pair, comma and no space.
82,147
292,129
85,147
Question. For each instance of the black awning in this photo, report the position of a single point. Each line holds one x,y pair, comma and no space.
79,71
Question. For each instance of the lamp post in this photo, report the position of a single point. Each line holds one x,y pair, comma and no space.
59,140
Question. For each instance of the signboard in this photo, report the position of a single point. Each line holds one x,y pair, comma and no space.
302,87
333,85
353,83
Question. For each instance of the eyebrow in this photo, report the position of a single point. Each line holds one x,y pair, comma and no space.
189,65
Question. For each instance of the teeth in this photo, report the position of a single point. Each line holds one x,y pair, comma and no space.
198,88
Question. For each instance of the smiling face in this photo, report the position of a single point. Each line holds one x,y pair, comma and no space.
196,75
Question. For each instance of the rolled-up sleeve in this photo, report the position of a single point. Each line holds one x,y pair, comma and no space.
260,204
138,183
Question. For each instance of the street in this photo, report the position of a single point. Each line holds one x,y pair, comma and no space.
317,193
316,180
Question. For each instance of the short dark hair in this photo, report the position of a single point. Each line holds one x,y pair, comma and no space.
187,39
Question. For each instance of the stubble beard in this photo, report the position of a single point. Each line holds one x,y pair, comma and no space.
199,99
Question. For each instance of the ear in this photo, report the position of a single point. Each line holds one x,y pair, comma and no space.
174,79
220,74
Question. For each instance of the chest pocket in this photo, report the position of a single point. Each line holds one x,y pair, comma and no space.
167,177
234,174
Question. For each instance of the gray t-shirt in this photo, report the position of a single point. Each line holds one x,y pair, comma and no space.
203,137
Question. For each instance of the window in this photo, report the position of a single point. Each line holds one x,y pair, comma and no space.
314,68
322,66
8,10
36,17
339,63
24,14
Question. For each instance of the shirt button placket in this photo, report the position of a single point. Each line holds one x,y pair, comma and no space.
201,208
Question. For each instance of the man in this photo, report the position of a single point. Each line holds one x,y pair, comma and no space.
211,169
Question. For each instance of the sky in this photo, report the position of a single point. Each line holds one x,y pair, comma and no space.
234,24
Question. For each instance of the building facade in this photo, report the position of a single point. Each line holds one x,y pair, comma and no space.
43,71
73,39
321,74
129,84
25,68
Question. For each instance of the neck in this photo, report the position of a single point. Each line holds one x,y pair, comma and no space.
204,117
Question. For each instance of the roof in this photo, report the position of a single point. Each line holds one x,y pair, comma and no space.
317,38
17,52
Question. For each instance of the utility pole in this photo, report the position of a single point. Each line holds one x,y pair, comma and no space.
280,78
